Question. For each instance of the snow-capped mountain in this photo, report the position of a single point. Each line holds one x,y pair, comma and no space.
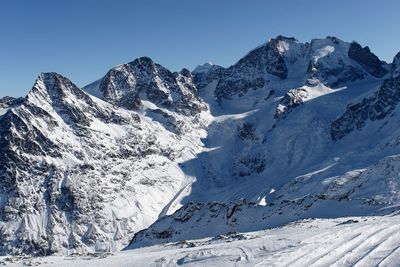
293,150
284,63
78,174
129,84
291,131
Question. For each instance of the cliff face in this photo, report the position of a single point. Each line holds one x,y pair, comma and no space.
77,173
297,129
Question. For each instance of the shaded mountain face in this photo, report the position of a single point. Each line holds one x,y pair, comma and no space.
356,193
8,102
396,66
252,71
367,60
297,129
377,107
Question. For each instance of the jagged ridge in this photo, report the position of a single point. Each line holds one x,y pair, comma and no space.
80,174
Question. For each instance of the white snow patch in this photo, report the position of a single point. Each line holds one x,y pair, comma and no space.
348,241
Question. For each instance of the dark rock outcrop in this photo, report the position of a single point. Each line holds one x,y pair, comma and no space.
142,79
290,100
377,107
369,61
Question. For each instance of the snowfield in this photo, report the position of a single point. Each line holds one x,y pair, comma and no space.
349,241
235,159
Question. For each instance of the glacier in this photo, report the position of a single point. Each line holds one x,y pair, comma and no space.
144,156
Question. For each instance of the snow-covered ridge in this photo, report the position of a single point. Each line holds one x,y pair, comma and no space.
142,79
286,62
85,170
67,178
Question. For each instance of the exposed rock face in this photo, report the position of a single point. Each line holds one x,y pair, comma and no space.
268,57
67,181
357,192
377,107
367,60
330,64
80,173
208,219
142,79
335,76
201,72
284,60
8,102
292,99
252,71
396,66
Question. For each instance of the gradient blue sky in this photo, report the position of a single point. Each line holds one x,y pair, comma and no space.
82,39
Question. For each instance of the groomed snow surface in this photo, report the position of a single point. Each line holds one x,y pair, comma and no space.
350,241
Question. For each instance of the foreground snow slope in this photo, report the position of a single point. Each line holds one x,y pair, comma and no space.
352,241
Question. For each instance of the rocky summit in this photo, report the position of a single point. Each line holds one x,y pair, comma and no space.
145,155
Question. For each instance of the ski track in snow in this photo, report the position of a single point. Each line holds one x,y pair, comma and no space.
355,241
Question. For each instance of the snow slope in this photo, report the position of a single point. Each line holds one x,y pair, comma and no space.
296,129
374,190
280,150
285,130
350,241
80,175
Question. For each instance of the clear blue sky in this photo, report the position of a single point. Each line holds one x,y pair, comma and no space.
82,39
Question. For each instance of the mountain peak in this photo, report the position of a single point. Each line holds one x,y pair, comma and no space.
396,66
8,102
396,59
204,68
280,43
141,63
47,78
83,175
185,72
142,79
334,39
44,84
143,60
368,60
53,87
50,80
283,38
